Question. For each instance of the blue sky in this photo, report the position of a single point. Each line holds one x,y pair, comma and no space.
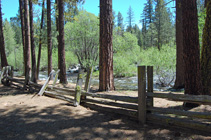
10,8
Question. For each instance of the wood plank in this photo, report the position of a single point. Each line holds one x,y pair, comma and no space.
128,99
104,102
78,89
200,99
201,115
149,85
125,112
142,94
58,96
16,80
42,90
164,120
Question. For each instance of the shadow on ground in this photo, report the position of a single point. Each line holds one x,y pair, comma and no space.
62,121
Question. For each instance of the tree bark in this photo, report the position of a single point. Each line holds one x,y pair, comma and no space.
27,43
21,6
206,53
40,39
34,70
191,51
61,47
106,49
179,83
49,37
2,45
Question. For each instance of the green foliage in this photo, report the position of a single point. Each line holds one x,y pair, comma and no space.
9,38
201,22
82,38
163,60
125,54
15,58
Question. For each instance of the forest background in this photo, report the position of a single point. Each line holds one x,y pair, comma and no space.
150,40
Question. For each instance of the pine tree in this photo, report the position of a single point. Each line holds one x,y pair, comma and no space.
61,45
130,19
49,36
40,38
27,43
162,23
179,82
2,45
191,51
148,16
34,70
206,53
106,77
120,23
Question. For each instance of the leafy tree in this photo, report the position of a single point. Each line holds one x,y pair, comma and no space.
191,52
130,19
2,45
206,53
84,38
71,9
106,50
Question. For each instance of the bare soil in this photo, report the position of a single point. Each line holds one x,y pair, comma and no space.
25,118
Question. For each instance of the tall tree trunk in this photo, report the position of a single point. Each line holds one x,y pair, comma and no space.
21,6
206,53
180,82
191,51
34,70
49,37
106,49
57,27
27,42
2,45
40,39
205,3
61,47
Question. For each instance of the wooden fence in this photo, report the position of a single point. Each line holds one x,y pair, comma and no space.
141,107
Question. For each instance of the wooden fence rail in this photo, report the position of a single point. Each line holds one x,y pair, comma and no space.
141,107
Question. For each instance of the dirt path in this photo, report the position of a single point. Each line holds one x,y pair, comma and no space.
39,118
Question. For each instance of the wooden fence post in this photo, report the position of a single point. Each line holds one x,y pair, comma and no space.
142,94
78,89
88,81
149,85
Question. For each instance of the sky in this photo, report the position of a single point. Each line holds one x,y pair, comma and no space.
10,8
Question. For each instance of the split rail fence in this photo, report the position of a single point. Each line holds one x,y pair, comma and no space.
141,107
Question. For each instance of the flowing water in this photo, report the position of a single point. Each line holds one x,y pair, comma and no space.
126,83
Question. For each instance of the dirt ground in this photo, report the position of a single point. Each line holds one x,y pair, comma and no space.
25,118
